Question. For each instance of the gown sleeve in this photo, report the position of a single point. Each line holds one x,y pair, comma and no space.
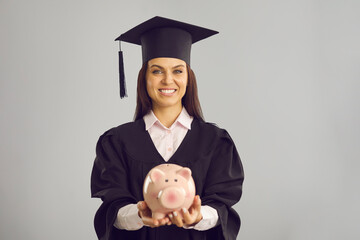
109,182
223,187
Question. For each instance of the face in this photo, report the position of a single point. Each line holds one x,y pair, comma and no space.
166,80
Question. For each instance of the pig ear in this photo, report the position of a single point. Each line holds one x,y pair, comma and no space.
185,173
156,175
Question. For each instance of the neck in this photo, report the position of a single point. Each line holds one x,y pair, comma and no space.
167,115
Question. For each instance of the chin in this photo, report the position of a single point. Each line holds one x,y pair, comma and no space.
168,104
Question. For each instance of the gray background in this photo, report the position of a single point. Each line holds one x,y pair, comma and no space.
282,77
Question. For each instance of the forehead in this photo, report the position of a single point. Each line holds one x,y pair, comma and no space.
166,62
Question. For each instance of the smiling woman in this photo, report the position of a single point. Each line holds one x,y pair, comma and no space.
166,81
168,127
190,99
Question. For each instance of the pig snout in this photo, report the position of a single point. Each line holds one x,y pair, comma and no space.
172,197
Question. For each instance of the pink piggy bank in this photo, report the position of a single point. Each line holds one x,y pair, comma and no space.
168,188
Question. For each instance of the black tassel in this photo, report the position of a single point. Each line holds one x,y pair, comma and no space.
122,76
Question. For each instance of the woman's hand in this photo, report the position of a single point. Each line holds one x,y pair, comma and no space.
189,217
146,216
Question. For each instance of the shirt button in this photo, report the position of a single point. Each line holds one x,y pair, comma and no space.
169,149
168,131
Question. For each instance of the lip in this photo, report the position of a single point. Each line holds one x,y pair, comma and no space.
168,92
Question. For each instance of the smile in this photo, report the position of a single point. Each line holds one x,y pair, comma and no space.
167,92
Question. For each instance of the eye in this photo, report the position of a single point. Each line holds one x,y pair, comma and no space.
178,71
156,71
175,180
166,180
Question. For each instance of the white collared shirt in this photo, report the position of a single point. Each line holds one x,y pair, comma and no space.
166,141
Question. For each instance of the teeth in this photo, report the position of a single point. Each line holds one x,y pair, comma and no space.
167,91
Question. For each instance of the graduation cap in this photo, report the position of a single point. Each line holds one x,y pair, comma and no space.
161,37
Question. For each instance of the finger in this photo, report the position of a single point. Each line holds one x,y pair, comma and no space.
146,215
151,222
194,211
142,205
171,217
144,210
177,219
197,201
155,222
189,219
164,221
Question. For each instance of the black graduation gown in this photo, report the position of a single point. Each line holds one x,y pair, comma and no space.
125,154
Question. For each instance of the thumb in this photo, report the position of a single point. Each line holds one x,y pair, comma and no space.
141,205
197,201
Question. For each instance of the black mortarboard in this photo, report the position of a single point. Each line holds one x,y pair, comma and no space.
162,37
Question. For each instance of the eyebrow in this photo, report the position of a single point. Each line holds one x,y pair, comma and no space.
154,65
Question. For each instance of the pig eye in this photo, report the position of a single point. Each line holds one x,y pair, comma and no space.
166,180
175,180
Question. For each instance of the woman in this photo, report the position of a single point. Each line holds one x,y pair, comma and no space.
168,127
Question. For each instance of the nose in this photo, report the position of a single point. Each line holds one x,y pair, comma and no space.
168,78
172,198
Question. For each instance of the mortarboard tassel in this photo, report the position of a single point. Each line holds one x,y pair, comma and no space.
122,75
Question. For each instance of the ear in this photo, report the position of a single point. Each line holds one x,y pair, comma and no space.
185,173
156,175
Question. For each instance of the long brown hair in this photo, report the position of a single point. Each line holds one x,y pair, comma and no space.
190,100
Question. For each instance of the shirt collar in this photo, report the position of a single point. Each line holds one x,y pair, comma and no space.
184,119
